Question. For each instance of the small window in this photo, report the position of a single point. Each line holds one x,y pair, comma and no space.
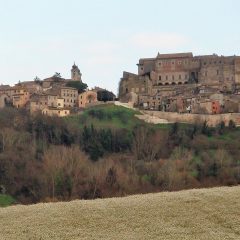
166,77
160,78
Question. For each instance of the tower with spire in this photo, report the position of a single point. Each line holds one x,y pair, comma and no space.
76,75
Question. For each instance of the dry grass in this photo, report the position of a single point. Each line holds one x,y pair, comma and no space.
194,214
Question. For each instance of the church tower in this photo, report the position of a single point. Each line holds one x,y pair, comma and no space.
75,73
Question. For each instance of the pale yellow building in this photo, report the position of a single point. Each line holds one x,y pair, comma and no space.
70,96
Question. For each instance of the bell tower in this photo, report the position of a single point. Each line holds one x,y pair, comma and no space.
76,75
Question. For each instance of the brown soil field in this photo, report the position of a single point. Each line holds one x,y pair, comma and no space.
192,214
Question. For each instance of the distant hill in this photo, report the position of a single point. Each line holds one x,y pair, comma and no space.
193,214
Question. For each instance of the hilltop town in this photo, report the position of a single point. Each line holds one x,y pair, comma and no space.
183,83
178,82
54,96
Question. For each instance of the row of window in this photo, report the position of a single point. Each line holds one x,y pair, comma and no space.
173,77
67,100
213,62
137,89
41,103
69,91
59,112
69,95
168,63
172,83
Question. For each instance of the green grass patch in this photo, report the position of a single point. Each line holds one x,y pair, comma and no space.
6,200
105,116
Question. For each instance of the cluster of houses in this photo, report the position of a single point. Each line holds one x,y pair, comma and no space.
200,103
53,96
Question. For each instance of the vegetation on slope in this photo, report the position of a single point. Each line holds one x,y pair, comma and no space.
6,200
185,215
106,116
111,153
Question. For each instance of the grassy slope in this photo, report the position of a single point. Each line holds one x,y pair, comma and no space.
6,200
193,214
85,119
114,122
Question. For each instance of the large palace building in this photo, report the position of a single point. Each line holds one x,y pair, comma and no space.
177,75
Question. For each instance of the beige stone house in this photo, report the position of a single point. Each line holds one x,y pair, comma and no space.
59,112
20,96
87,98
38,102
70,96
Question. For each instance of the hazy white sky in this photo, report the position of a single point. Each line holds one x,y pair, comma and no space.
106,37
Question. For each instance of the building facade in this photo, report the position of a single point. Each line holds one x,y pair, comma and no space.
180,75
87,98
70,96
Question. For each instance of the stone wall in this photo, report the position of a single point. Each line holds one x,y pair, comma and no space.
212,120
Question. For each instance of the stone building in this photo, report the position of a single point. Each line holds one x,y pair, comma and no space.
70,96
38,102
169,76
49,111
48,104
87,98
18,96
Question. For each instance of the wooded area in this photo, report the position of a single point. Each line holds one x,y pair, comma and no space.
49,159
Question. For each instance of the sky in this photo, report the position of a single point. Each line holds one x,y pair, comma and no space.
107,37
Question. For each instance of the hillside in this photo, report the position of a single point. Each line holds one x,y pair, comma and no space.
105,116
193,214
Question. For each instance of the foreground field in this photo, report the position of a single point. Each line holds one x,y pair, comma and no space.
194,214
